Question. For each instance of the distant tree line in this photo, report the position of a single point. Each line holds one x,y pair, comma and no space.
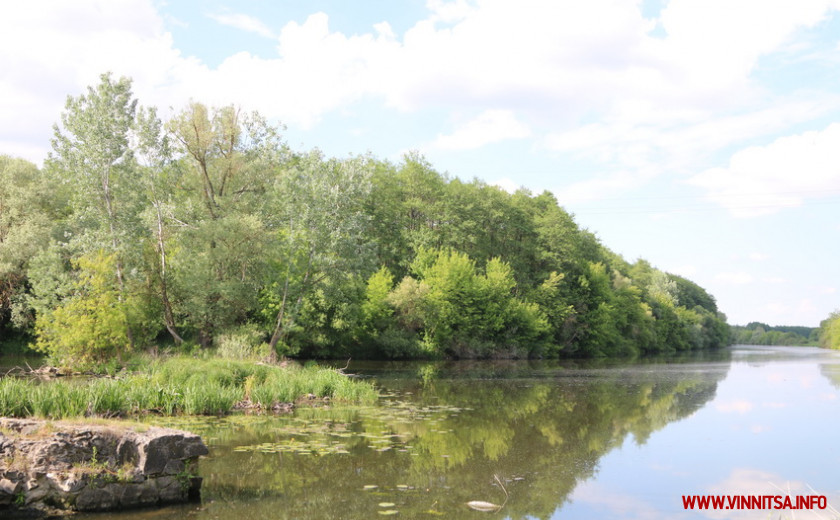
207,230
757,333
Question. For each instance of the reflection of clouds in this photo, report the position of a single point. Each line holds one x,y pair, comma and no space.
615,505
774,405
743,481
754,482
807,381
776,377
739,406
759,428
828,396
670,470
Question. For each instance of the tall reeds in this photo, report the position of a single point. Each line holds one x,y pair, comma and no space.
178,386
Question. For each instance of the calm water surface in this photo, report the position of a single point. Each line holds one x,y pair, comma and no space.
608,440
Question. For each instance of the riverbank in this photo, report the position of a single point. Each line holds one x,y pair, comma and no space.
180,385
53,467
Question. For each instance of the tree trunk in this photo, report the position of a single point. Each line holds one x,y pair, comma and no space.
106,191
168,319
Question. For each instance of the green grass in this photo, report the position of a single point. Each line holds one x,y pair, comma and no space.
178,386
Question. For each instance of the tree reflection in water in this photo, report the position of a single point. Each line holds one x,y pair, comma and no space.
440,436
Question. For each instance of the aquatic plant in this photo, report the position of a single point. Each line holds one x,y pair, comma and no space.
179,386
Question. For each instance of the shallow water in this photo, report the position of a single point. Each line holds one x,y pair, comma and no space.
565,440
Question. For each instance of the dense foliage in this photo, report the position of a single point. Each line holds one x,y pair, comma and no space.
757,333
208,229
829,331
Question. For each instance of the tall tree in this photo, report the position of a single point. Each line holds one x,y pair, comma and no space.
30,207
91,151
229,161
321,233
154,155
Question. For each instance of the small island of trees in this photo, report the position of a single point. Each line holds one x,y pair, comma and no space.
208,231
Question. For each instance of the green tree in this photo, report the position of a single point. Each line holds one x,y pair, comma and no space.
91,152
463,312
219,240
88,327
830,331
155,158
30,209
320,235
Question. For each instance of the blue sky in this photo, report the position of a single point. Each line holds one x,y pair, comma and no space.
701,135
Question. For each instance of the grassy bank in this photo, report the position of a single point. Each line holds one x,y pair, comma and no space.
178,386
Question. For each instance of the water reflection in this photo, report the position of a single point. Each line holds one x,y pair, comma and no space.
441,435
770,430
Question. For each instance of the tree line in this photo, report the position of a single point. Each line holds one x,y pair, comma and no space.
207,230
757,333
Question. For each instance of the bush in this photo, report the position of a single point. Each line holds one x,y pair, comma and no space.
245,342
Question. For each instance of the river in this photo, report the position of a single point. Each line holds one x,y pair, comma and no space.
558,440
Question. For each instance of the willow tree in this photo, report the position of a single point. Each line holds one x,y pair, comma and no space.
321,234
228,161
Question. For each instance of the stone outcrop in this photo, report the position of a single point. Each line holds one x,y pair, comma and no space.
54,466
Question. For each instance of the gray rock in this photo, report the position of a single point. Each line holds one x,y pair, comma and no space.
162,445
96,499
96,468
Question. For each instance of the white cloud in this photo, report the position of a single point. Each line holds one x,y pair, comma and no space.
725,57
764,179
491,126
507,184
660,139
774,280
243,22
548,63
599,187
52,49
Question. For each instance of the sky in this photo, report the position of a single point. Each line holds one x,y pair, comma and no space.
700,135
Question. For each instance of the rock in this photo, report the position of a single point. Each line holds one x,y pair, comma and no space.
48,465
8,487
164,446
96,499
171,489
69,484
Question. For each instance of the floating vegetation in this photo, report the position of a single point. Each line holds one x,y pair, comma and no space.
300,447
